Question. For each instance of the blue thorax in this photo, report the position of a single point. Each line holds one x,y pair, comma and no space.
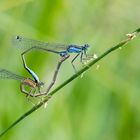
77,49
74,49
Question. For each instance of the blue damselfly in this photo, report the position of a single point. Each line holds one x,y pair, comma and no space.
62,50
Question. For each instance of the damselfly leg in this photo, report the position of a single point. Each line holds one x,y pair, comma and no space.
73,62
32,87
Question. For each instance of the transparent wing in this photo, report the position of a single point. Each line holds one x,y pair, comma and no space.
26,43
5,74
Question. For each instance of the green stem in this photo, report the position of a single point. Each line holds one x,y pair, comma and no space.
121,44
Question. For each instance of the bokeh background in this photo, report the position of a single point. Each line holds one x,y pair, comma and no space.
102,105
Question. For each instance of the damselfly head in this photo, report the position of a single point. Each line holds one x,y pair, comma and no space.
85,47
40,84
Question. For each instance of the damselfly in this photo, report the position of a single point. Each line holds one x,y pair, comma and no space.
32,84
62,50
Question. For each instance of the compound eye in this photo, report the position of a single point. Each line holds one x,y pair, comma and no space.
42,84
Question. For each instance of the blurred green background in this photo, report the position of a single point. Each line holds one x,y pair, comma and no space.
104,104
